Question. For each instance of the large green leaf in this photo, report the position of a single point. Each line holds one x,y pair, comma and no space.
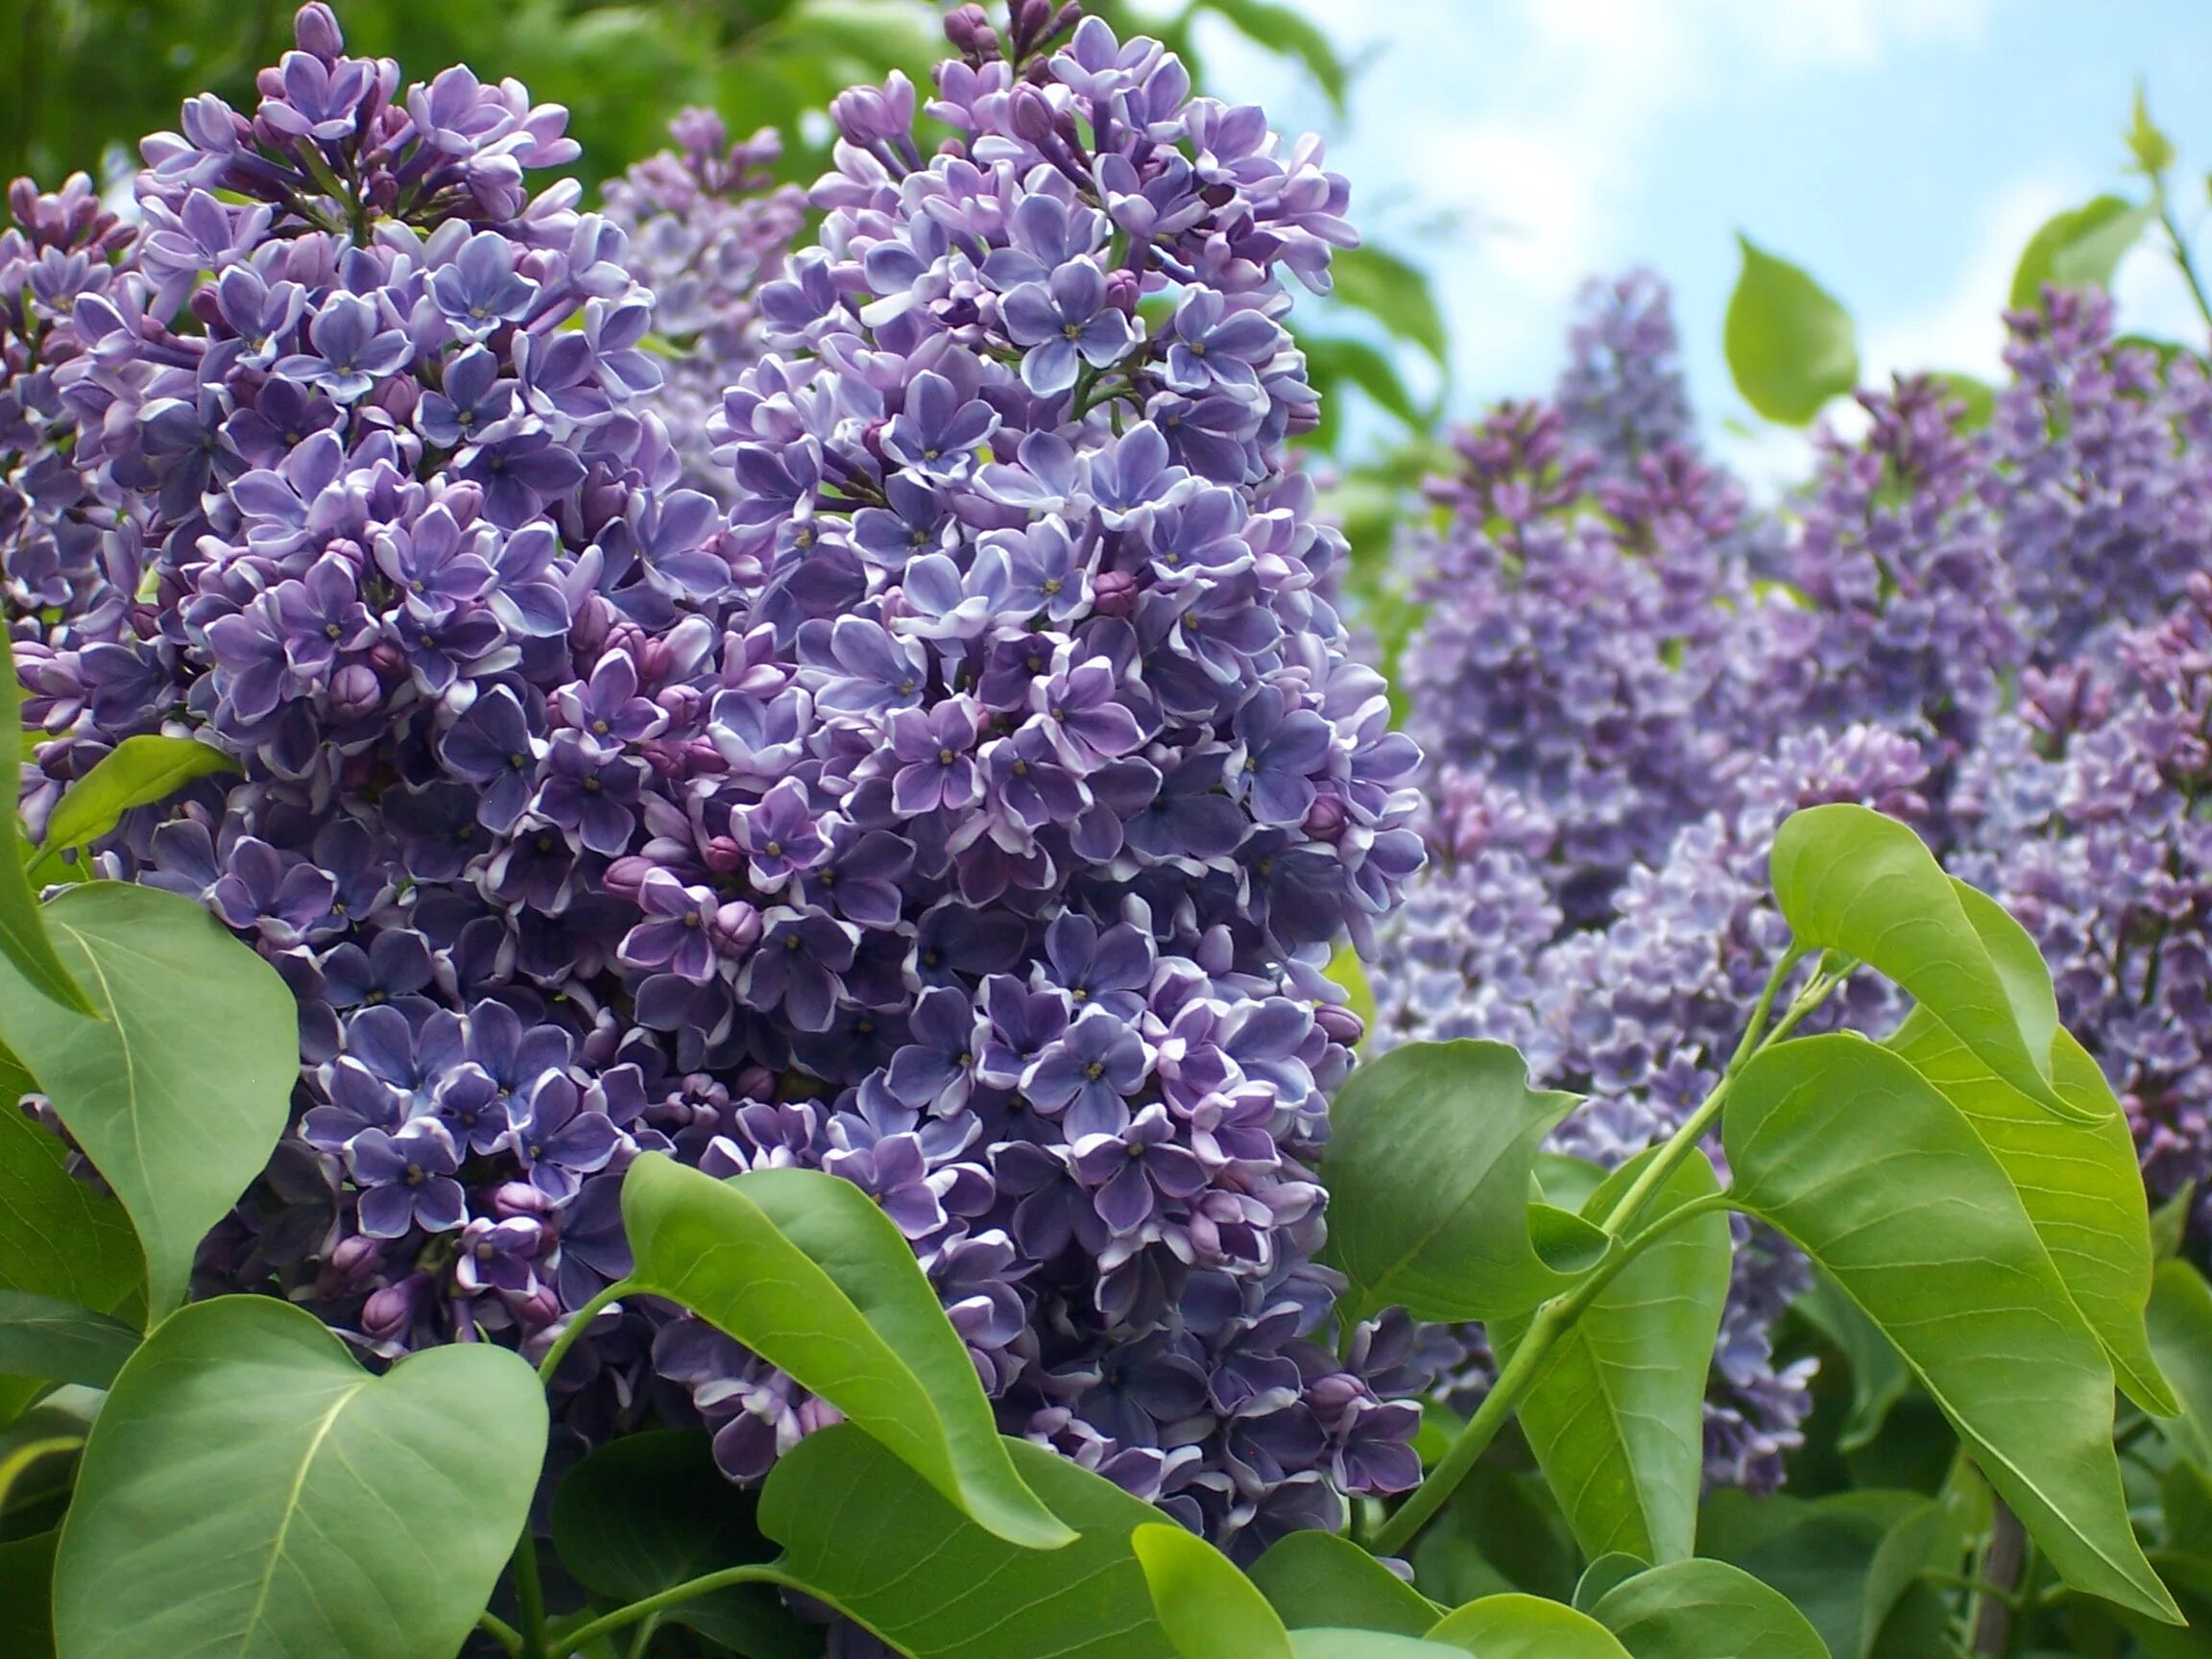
807,1271
1518,1627
2181,1328
648,1512
23,938
1325,1644
1446,1232
179,1092
2080,1183
1395,293
26,1579
2079,248
61,1342
866,1534
1706,1610
136,772
1845,1560
1207,1608
58,1236
1879,1377
1791,346
1616,1416
1851,880
250,1493
1857,1158
1317,1580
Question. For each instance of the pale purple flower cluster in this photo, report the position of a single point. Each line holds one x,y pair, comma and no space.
707,228
967,811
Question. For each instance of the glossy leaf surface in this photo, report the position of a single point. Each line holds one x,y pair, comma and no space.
1207,1608
1518,1627
250,1493
179,1090
138,772
1317,1579
1706,1610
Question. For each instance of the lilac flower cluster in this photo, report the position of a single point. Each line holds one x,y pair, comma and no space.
967,810
1939,629
707,228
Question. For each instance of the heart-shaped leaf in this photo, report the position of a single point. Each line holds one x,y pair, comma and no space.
1616,1416
1791,346
61,1342
1706,1610
2080,1184
1851,880
648,1512
136,772
23,937
1317,1580
250,1491
179,1090
1518,1627
865,1533
1207,1608
2181,1337
58,1236
1444,1231
1859,1160
803,1269
2079,248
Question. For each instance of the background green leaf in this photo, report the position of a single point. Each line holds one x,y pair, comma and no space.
1395,293
23,938
1791,346
136,772
1854,1156
26,1577
1706,1610
1286,28
864,1532
1317,1579
58,1236
1851,880
1446,1234
2180,1326
178,1094
803,1269
1518,1627
1879,1375
61,1342
1616,1416
647,1512
250,1490
1326,1643
1207,1608
2080,247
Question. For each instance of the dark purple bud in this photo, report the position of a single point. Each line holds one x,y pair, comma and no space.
1113,593
968,28
1031,113
1341,1025
1123,291
625,877
316,28
1325,818
355,692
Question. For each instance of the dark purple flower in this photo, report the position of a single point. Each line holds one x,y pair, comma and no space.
406,1179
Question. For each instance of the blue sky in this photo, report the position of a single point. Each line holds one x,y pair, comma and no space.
1901,150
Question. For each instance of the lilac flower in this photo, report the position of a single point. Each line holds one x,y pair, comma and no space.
560,1141
797,965
1069,318
352,350
407,1179
1135,1170
938,432
481,290
1086,1079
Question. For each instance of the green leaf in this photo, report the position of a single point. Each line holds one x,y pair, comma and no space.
1706,1610
61,1342
867,1534
1285,28
1791,346
648,1512
1445,1234
1396,294
1518,1627
2150,148
1616,1416
2180,1326
2080,247
1851,880
2080,1184
1843,1560
58,1236
1977,397
1852,1154
1318,1580
2170,1222
1363,1644
803,1269
23,938
1879,1376
1607,1570
25,1582
179,1090
1338,357
138,772
1207,1608
250,1490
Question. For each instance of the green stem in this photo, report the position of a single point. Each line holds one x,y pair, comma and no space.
758,1572
1528,1358
501,1632
646,1629
578,1323
530,1596
2183,259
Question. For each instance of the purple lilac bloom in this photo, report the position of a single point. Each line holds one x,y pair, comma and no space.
824,763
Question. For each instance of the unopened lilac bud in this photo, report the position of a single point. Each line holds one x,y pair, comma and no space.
315,26
1113,593
723,855
398,395
1325,818
700,132
355,692
389,1313
625,877
736,927
1030,112
872,116
753,1083
968,30
1123,289
356,1257
1340,1024
511,1198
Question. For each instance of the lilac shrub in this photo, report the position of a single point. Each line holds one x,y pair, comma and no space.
967,811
